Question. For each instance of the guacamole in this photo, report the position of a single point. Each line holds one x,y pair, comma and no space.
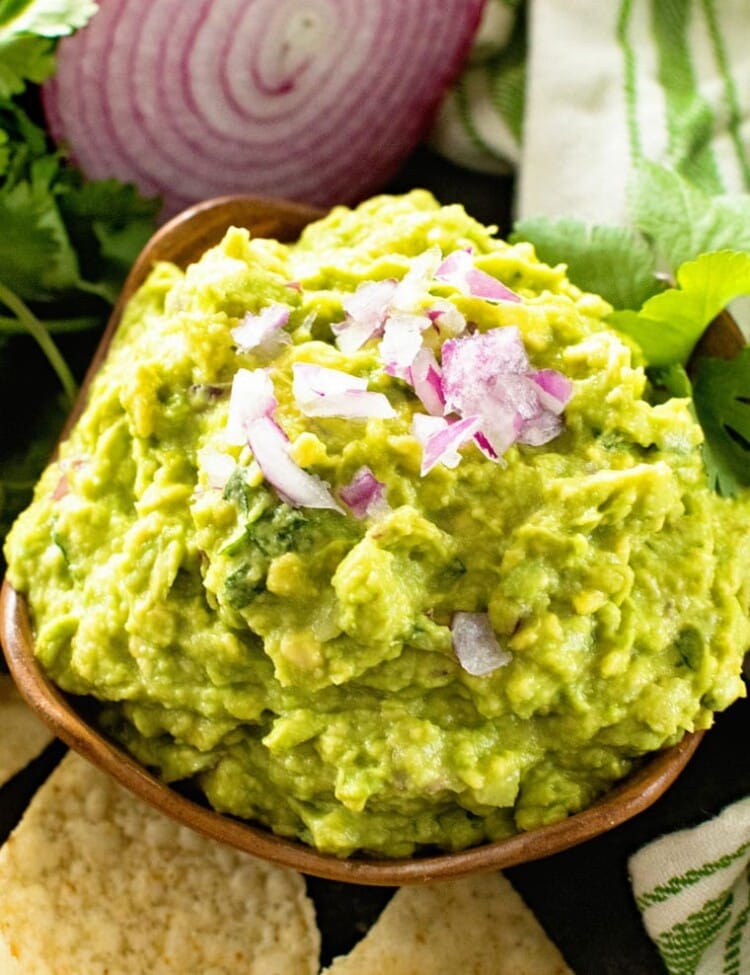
382,538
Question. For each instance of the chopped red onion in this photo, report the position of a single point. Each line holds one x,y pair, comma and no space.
319,391
62,488
427,381
446,318
475,644
556,389
401,342
366,310
270,447
480,357
540,429
485,446
262,331
250,420
488,374
217,466
364,495
441,439
458,269
252,396
417,280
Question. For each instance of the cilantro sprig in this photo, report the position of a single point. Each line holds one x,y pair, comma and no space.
66,244
28,31
683,259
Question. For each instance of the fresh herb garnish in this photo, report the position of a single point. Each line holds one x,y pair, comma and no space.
683,260
721,393
669,324
613,262
28,31
66,243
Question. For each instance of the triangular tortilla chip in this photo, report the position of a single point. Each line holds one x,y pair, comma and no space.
22,735
474,926
95,882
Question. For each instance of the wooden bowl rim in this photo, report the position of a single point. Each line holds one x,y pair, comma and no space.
200,227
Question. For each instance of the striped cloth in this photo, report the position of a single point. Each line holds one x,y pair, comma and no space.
480,121
572,93
693,890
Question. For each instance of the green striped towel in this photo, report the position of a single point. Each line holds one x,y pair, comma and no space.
573,92
479,123
693,890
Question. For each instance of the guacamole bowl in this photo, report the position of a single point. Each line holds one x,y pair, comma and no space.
74,716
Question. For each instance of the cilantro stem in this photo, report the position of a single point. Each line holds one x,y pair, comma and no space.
17,485
10,325
42,337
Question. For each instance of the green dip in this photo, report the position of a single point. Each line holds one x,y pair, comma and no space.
297,662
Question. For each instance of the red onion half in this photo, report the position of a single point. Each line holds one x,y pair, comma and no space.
316,100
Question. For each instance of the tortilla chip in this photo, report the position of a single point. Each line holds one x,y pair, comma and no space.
474,926
94,881
22,735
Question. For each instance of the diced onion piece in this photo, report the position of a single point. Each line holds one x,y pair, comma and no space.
319,391
441,440
401,342
476,645
458,269
364,495
313,100
426,379
488,374
477,370
270,447
366,310
540,429
217,466
62,488
555,389
262,331
252,396
485,446
446,318
417,280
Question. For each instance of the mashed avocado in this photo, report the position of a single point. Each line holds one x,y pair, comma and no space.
263,587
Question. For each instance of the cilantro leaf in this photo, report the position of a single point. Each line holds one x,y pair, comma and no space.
673,379
683,221
23,58
614,262
669,324
48,18
36,257
721,394
61,234
108,223
27,245
28,30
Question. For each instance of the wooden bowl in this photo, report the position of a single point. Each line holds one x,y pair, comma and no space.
182,240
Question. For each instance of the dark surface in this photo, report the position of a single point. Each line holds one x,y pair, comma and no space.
582,896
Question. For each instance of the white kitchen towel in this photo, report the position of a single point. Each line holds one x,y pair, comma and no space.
599,85
693,890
